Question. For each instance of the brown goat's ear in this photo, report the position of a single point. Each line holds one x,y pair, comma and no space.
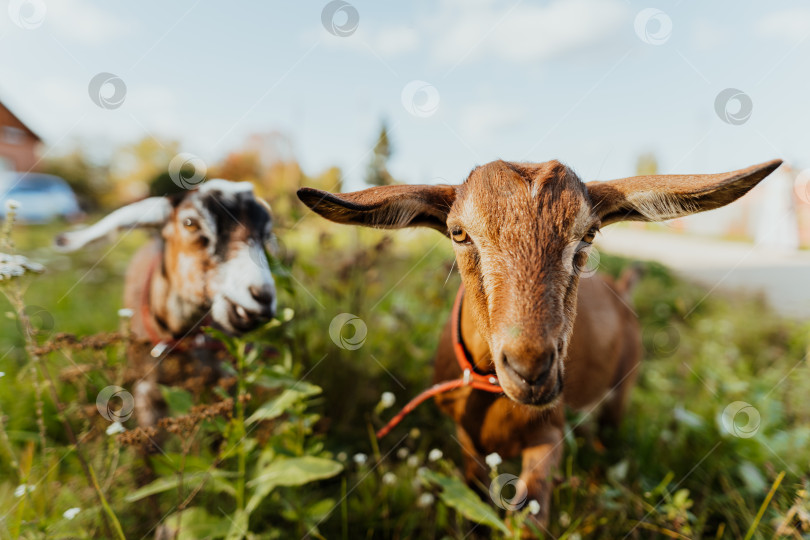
386,207
662,197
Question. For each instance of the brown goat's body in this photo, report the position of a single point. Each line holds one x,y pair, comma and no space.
600,368
522,234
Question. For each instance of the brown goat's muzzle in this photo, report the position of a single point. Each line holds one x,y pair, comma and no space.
536,379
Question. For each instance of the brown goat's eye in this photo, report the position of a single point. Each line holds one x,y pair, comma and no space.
191,224
589,237
459,235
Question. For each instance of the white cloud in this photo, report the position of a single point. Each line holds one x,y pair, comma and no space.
709,35
85,22
156,108
790,24
467,30
396,40
148,109
485,120
388,41
529,32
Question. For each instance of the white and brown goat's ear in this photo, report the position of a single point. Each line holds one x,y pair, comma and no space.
151,212
662,197
386,207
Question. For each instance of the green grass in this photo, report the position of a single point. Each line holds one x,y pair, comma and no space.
671,471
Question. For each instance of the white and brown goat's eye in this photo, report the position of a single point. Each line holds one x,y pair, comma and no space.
191,224
589,237
458,235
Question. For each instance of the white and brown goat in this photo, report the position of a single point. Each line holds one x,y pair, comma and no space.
207,266
518,230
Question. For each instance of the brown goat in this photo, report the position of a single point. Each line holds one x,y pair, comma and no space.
520,231
207,267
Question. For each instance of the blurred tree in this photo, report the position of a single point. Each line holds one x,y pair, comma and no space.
377,174
267,160
329,180
646,164
135,166
163,184
87,178
241,166
276,181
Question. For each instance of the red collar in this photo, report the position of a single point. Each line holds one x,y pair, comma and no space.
196,339
470,376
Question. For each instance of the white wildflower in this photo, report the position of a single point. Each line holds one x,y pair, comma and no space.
402,453
425,499
389,479
387,399
413,461
115,428
534,507
22,489
435,455
565,519
2,374
360,458
12,266
125,313
342,456
12,205
493,460
71,513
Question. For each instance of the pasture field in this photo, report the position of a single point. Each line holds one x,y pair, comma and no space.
294,455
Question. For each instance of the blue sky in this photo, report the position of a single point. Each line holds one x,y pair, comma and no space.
565,79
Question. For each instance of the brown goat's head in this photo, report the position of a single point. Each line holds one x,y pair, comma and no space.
520,232
214,256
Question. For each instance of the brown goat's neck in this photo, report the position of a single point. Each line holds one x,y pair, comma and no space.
474,341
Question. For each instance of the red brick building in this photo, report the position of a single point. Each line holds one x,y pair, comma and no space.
19,145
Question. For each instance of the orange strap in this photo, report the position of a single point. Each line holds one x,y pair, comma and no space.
470,376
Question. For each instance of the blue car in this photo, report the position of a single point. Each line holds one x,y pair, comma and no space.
42,197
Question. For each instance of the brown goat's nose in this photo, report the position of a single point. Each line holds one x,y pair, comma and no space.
263,294
531,368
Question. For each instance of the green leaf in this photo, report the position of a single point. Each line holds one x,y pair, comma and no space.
275,376
753,478
319,511
290,472
178,400
239,525
196,523
213,482
311,516
252,355
278,406
687,418
230,342
456,494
